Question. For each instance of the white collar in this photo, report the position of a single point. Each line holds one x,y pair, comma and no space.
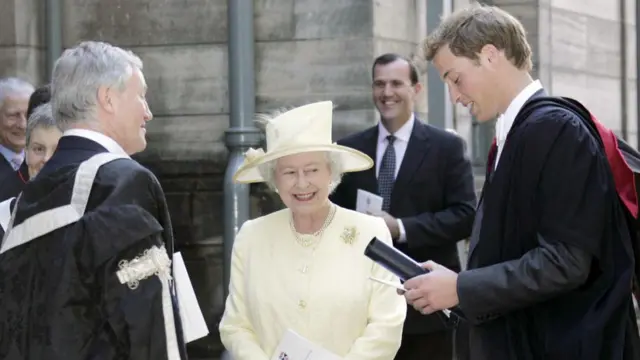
505,121
108,143
404,133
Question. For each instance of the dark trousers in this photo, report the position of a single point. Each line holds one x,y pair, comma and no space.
461,341
434,346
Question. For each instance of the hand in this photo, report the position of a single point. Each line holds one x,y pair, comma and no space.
434,291
392,224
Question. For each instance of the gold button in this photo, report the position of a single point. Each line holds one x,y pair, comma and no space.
302,304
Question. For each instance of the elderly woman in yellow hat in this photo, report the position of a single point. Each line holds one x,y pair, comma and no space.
302,270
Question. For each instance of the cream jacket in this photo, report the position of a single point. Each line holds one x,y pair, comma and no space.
323,294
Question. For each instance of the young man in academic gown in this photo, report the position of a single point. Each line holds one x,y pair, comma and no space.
86,261
550,265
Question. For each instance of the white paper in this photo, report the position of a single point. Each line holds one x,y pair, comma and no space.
293,346
368,203
388,283
193,325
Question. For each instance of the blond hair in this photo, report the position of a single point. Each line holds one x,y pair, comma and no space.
468,30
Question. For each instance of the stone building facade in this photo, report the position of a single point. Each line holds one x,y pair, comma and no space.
306,50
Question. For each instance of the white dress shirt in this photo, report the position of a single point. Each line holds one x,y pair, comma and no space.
400,146
505,121
14,159
108,143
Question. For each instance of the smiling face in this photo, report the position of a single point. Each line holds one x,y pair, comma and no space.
303,181
393,92
13,122
472,83
129,113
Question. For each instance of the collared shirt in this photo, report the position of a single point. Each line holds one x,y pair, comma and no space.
505,121
400,146
14,159
108,143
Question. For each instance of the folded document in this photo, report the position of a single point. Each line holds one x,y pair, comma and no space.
368,203
193,325
293,346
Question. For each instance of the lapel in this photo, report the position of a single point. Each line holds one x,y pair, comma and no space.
369,147
417,148
4,163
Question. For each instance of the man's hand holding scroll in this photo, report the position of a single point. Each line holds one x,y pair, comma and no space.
433,291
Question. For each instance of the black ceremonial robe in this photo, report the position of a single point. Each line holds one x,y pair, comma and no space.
85,264
550,204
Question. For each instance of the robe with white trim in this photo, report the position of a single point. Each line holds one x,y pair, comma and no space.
85,267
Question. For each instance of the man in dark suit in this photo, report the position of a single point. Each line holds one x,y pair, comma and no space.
426,183
12,184
88,250
14,102
550,264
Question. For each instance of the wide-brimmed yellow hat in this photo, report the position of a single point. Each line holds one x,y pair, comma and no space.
304,129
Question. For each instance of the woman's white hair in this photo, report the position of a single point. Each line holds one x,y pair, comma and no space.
80,72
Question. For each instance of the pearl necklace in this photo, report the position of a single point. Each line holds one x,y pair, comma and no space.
306,240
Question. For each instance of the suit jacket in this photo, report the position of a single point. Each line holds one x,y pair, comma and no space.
324,294
433,194
13,183
6,170
75,264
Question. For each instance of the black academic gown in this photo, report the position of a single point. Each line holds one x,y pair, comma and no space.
550,204
62,294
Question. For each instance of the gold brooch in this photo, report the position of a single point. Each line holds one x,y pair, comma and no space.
349,235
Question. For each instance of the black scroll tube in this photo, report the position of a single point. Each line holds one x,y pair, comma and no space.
403,267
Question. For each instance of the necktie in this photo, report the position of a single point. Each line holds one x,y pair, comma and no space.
491,157
16,161
387,174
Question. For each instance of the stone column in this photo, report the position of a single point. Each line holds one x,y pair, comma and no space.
21,40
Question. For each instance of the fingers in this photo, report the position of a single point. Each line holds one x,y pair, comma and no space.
423,306
420,304
428,310
414,282
412,296
430,265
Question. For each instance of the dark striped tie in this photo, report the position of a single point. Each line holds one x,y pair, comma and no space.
386,176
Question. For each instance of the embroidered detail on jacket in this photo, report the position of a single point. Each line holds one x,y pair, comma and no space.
153,261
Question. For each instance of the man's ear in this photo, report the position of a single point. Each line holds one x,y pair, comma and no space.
105,99
417,88
489,54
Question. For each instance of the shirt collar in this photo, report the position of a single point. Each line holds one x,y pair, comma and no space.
505,121
108,143
403,134
10,154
